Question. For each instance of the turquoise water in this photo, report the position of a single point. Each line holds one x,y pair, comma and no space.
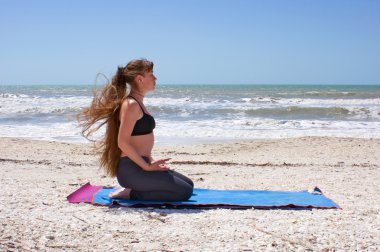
205,112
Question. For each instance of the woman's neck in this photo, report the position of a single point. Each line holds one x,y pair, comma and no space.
138,95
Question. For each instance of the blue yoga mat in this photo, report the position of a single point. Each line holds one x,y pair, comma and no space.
231,198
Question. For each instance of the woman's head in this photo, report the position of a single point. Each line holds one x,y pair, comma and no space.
138,73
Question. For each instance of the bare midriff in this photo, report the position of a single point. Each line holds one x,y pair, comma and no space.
142,144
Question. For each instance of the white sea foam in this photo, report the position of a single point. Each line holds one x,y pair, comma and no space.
63,132
222,130
266,129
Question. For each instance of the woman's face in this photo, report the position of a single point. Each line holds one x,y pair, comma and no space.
148,81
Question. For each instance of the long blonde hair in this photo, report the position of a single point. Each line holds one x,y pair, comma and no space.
105,110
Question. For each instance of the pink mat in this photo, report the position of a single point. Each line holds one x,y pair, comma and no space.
84,194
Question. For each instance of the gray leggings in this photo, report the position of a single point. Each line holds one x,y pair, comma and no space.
153,185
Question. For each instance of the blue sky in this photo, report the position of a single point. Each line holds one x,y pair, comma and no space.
192,42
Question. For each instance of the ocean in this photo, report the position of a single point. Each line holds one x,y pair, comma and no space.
204,113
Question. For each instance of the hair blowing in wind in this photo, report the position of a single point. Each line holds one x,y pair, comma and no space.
105,109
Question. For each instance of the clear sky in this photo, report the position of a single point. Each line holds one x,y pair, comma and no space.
193,41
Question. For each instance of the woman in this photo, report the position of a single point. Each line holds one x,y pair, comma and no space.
126,148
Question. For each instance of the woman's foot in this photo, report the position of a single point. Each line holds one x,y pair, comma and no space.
122,193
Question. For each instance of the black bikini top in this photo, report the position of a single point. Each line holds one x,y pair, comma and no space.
145,124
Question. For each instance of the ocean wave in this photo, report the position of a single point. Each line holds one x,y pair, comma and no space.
319,93
257,101
300,112
207,112
39,111
188,107
309,101
42,105
13,96
299,108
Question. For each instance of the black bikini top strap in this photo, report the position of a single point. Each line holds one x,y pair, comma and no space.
137,103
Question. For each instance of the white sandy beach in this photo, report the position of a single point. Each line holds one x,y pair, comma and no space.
36,177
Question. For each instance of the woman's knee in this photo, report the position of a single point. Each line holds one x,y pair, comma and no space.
190,182
186,192
183,177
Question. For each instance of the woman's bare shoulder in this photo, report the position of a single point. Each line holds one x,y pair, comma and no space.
131,106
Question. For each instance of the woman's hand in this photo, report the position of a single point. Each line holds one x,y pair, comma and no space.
159,165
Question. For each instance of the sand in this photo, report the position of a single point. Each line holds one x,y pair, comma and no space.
36,177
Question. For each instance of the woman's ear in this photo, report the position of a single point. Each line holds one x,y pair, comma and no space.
139,79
